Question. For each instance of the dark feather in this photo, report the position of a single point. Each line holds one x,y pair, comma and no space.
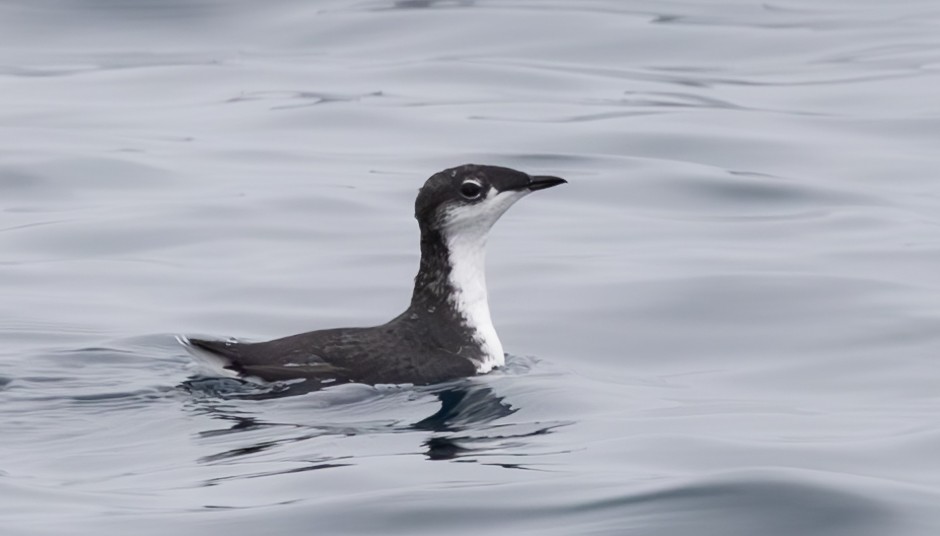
398,352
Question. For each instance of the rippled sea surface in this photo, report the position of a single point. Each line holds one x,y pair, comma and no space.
728,323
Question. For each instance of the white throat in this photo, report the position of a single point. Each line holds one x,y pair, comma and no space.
468,278
465,230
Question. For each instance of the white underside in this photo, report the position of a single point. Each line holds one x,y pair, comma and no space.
466,229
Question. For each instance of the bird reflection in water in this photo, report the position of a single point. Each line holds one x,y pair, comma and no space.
464,427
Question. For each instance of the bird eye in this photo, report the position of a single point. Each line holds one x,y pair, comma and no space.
471,189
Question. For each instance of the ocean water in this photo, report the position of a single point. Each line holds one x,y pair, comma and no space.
727,323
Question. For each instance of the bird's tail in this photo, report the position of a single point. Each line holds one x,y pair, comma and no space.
212,355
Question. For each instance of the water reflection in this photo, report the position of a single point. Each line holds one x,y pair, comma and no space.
462,407
465,425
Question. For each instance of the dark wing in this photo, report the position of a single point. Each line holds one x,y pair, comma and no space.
273,360
381,354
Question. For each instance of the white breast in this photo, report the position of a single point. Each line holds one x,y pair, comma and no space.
466,229
468,278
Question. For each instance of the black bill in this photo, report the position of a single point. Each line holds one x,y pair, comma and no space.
541,182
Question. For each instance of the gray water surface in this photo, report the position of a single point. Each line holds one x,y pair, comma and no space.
728,323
